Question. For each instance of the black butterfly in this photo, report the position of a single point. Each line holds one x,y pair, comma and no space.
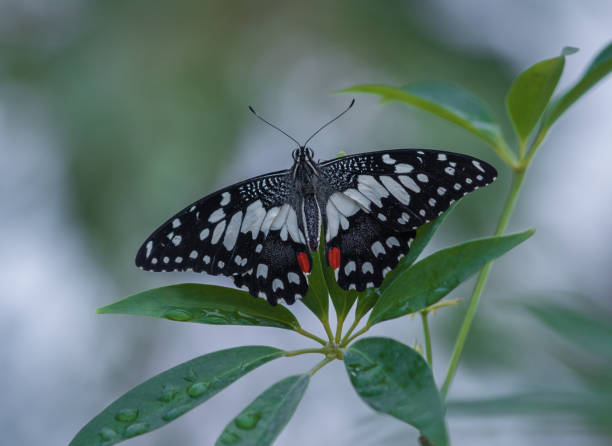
260,231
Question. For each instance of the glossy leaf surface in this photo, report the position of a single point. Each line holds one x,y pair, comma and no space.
204,304
170,394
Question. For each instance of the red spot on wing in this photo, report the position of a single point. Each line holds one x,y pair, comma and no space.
303,261
333,257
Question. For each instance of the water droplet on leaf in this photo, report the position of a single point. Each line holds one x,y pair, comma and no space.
177,314
229,437
136,429
248,420
197,389
176,412
106,433
128,414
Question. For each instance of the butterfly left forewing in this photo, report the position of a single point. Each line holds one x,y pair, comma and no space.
230,233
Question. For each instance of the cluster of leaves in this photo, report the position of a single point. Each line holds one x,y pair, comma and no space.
389,376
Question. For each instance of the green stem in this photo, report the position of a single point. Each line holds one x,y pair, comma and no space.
328,330
427,338
351,329
347,338
517,181
316,368
310,335
339,329
306,350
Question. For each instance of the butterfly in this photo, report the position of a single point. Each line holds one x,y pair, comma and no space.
261,231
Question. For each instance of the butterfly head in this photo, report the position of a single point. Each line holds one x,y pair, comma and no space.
302,154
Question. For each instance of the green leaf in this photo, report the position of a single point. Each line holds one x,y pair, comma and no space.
343,300
170,394
600,67
317,297
366,301
530,93
264,419
588,327
205,304
444,100
429,280
423,236
394,379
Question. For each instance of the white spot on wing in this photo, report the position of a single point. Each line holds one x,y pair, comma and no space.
396,189
293,278
392,241
359,198
216,216
225,198
403,168
409,183
449,170
441,157
176,223
387,159
372,189
176,240
193,254
204,233
422,178
277,284
262,270
378,248
367,267
233,228
350,267
206,259
218,232
477,165
345,205
254,217
149,248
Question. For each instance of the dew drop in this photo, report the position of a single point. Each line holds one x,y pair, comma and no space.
106,433
197,389
229,437
136,429
168,393
176,314
128,414
248,420
176,412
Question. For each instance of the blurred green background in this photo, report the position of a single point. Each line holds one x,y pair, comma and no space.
116,114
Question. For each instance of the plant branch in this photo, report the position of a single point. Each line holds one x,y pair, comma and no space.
317,367
347,338
304,351
517,182
310,335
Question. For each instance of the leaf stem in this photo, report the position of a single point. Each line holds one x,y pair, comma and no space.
317,367
347,339
427,338
310,335
517,181
351,329
339,329
306,350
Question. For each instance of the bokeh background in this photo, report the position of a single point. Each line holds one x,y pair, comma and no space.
115,114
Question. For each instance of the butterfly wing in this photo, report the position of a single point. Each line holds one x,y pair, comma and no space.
235,232
375,201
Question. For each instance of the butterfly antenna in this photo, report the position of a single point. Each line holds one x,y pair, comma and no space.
328,123
273,126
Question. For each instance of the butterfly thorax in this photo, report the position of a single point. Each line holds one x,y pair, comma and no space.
305,175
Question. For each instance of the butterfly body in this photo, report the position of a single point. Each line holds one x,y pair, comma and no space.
260,232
